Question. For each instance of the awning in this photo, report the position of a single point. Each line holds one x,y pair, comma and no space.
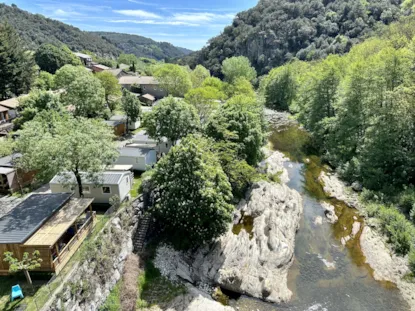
58,224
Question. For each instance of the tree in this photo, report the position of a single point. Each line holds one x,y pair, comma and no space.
194,194
17,67
205,100
36,102
131,106
50,58
45,81
238,67
6,147
240,120
198,75
240,86
280,89
27,263
52,143
215,83
172,118
87,95
67,74
111,86
132,67
174,79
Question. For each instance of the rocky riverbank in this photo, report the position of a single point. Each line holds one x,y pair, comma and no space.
254,256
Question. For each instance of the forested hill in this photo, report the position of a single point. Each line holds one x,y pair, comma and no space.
35,29
141,46
275,31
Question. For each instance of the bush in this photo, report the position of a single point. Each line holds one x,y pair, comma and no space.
412,260
407,200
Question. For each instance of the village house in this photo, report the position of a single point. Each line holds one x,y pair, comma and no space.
12,105
53,224
146,85
119,126
148,99
139,157
85,59
131,125
4,115
101,188
98,67
11,177
142,139
118,73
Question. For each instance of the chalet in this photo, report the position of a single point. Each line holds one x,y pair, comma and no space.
148,99
85,59
146,85
11,177
131,125
99,67
4,115
101,188
53,224
119,126
139,157
12,104
143,140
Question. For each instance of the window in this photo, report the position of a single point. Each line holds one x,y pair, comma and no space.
127,180
106,190
87,189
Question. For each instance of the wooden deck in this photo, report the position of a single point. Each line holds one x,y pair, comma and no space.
69,250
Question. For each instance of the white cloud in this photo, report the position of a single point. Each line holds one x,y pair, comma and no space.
201,17
143,3
63,13
138,13
153,22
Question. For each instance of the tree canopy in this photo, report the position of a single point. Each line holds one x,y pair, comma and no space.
131,106
67,74
174,79
194,193
205,100
50,58
172,118
53,143
238,67
111,86
198,75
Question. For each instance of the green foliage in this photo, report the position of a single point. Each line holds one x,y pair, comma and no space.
50,58
36,102
67,74
174,79
111,86
412,261
131,106
172,118
28,262
198,75
194,193
6,147
17,67
53,143
274,32
407,200
87,95
45,81
238,67
240,86
205,100
240,121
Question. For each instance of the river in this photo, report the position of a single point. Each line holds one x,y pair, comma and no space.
325,276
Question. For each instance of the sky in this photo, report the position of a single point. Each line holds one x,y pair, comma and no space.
184,23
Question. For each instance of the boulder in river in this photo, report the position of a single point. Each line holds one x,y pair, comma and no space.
330,212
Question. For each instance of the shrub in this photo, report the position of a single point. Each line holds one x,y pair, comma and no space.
407,200
412,260
129,292
115,201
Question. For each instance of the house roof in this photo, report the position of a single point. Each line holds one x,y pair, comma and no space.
120,167
134,151
104,178
149,97
129,80
11,103
27,217
114,123
3,109
82,55
51,231
118,118
8,160
115,72
103,67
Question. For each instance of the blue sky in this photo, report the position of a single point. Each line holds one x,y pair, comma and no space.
188,24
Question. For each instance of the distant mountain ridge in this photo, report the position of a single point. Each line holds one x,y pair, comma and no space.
35,29
276,31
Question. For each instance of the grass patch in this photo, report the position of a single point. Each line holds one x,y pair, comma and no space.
136,188
113,302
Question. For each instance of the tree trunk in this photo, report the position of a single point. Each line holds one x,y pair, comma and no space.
79,181
28,278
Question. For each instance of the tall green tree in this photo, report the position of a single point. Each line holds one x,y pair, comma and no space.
111,86
131,106
53,143
238,67
17,67
45,81
240,121
172,118
87,95
198,75
280,88
205,100
50,58
67,74
174,79
194,194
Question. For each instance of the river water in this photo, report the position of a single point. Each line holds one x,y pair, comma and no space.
325,276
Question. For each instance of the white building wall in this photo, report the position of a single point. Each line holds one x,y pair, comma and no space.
95,193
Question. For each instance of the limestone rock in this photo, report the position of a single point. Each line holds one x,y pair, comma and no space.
356,186
274,163
330,212
318,221
356,228
335,188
